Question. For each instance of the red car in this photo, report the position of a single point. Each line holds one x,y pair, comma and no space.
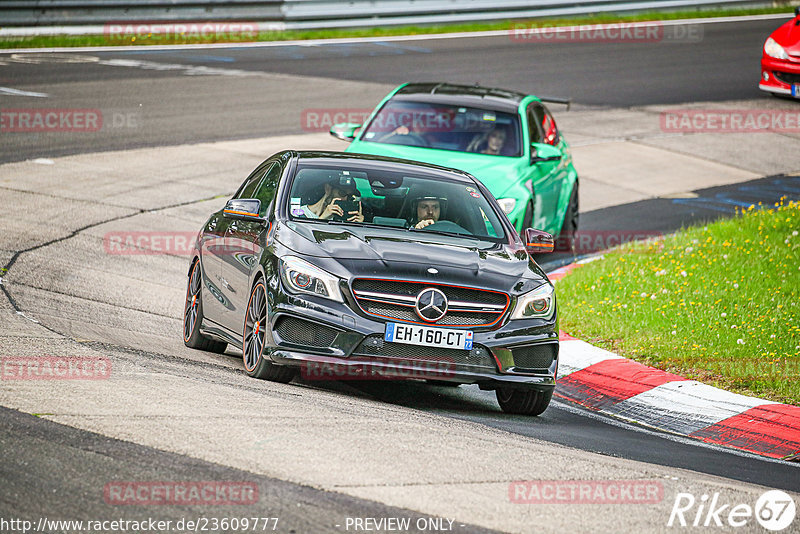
780,63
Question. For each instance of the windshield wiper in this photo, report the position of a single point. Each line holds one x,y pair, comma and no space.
388,227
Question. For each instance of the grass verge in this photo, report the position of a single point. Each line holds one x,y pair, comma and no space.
718,303
104,40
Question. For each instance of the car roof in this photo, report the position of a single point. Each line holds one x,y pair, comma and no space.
466,95
396,164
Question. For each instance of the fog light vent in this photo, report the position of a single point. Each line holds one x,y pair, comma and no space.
301,332
534,357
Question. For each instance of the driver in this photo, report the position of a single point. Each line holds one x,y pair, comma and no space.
414,134
427,210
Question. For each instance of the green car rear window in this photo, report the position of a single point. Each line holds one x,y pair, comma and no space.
445,127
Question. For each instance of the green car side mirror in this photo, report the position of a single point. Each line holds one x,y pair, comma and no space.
542,152
346,131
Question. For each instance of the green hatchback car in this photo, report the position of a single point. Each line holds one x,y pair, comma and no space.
508,140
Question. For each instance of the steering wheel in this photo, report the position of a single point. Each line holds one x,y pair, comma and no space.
447,226
409,139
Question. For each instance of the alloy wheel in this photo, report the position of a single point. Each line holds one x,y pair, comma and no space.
192,303
255,327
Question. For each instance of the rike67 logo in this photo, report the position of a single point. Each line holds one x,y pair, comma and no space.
774,510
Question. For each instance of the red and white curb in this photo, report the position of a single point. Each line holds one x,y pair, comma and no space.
608,383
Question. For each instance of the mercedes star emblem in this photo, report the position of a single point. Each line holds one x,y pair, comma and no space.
431,304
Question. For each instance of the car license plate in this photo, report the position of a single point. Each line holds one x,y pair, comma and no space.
428,336
796,90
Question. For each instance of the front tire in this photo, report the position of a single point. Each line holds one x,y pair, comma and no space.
255,325
193,316
523,401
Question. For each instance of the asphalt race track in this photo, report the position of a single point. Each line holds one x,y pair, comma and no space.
181,128
263,91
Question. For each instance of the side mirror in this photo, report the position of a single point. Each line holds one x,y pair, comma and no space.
245,209
537,241
346,131
543,152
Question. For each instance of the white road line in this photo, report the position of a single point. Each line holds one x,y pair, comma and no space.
189,70
395,38
8,91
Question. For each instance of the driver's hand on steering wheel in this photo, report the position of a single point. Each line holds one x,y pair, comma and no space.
423,223
401,130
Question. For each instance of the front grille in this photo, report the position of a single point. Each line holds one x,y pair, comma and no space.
402,313
301,332
374,347
392,299
534,357
787,77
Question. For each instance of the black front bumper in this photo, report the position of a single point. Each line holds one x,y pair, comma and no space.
328,341
317,367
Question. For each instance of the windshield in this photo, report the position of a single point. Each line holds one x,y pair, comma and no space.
460,128
339,193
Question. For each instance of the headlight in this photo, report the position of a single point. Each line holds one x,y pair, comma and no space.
507,204
540,302
299,276
773,49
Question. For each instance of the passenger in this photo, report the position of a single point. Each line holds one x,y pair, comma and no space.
491,142
326,207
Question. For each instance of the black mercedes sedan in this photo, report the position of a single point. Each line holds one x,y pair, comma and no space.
345,266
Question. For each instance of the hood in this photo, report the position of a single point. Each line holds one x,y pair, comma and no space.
363,251
493,171
788,36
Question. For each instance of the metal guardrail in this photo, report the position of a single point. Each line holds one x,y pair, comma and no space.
309,14
313,14
84,12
